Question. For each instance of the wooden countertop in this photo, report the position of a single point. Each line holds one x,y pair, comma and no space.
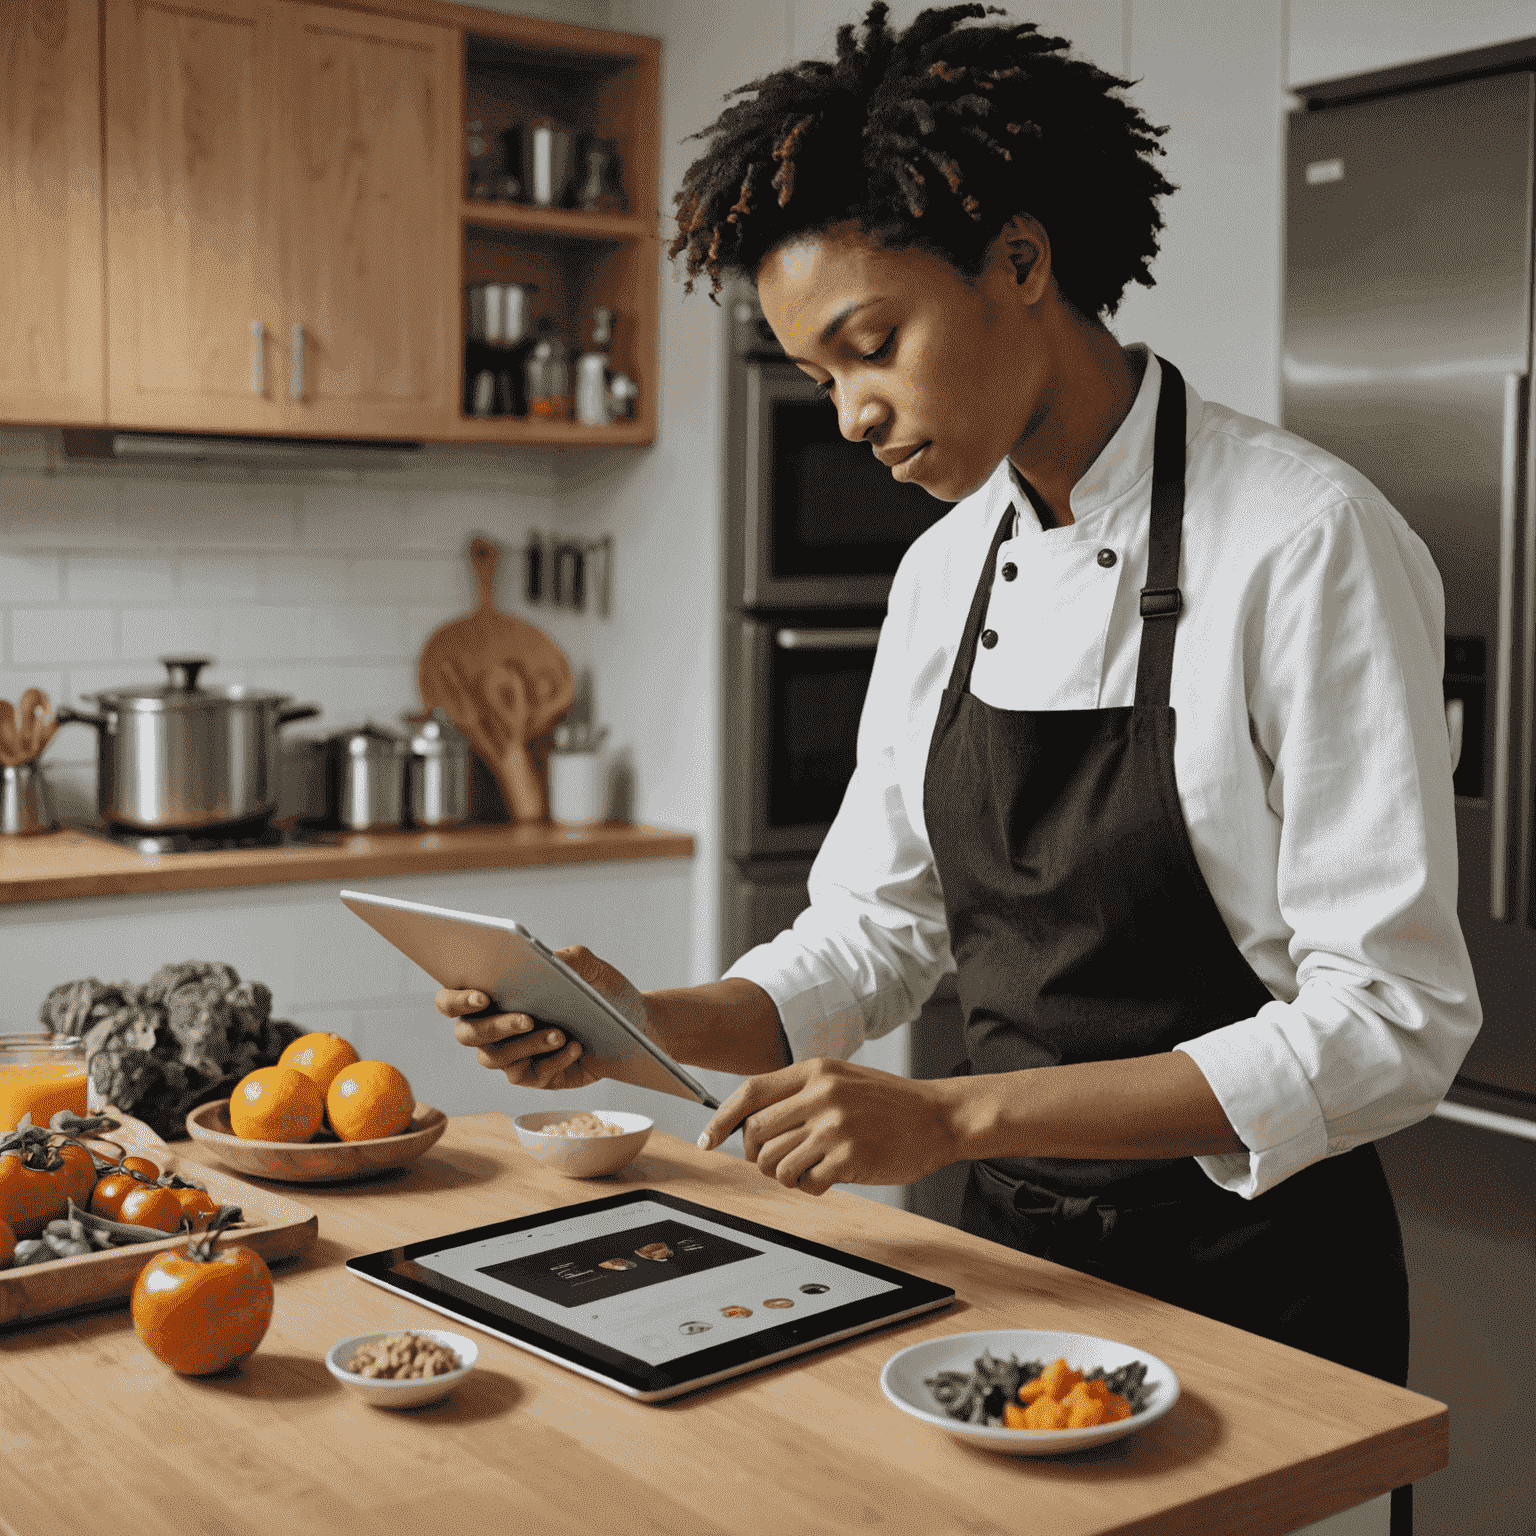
1262,1440
69,864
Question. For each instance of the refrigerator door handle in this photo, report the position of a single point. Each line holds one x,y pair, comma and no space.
1504,651
1487,1119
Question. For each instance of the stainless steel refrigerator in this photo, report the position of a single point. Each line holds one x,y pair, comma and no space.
1408,352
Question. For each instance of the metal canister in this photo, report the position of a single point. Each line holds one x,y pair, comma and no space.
365,778
438,772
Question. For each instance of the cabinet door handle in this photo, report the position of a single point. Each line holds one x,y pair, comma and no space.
296,362
258,358
826,639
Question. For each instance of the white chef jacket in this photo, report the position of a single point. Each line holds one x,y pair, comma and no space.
1311,753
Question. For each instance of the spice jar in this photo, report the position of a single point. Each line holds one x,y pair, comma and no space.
549,379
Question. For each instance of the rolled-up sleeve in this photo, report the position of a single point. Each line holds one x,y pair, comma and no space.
1344,654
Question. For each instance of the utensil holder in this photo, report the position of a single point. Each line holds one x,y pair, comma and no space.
578,787
25,806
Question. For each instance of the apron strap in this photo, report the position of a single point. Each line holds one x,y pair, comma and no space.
965,657
1161,600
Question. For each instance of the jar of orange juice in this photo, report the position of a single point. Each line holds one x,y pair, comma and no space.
41,1074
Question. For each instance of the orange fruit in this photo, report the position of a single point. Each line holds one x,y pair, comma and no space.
319,1057
276,1104
151,1206
369,1099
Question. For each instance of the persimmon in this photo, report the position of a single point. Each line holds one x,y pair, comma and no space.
7,1243
110,1192
203,1308
276,1104
83,1172
195,1203
151,1206
32,1191
368,1100
319,1057
140,1165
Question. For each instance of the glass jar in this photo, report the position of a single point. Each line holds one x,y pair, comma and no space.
549,379
40,1074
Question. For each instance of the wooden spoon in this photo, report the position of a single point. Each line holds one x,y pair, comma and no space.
11,751
503,682
37,722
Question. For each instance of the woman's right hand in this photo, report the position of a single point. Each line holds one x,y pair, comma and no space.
534,1055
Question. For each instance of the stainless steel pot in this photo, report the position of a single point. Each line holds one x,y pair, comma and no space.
438,772
173,757
365,779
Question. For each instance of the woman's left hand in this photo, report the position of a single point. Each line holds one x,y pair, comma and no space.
824,1122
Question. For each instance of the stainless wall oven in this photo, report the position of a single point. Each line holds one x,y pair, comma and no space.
815,528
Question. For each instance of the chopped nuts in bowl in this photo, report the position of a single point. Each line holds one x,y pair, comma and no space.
582,1144
402,1369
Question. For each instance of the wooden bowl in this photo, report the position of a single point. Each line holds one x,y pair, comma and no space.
312,1162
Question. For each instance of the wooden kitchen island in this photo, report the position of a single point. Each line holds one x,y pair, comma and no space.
99,1435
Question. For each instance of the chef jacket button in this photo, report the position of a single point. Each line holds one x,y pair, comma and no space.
989,638
1106,558
1010,571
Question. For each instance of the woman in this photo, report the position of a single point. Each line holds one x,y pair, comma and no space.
1153,754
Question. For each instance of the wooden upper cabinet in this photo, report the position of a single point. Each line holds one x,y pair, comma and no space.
191,235
368,158
51,344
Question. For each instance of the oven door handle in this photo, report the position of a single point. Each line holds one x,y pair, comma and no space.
826,639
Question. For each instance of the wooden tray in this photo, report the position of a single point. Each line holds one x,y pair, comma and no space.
274,1226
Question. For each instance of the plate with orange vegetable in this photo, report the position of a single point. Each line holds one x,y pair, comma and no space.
319,1114
1030,1392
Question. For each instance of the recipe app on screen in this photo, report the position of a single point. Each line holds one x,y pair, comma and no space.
649,1283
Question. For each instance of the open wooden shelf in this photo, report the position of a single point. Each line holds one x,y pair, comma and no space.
563,223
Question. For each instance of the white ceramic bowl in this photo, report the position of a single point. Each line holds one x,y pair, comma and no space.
583,1157
906,1373
413,1391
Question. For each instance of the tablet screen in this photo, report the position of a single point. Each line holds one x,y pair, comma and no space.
651,1283
648,1292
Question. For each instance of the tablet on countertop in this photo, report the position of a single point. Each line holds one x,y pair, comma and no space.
519,974
648,1293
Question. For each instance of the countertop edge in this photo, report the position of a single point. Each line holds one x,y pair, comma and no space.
85,867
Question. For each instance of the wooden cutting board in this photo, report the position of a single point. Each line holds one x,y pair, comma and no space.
274,1226
504,683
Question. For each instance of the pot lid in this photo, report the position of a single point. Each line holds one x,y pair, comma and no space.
181,690
367,740
435,735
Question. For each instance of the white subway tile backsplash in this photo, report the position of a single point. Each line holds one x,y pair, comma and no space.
227,578
58,512
30,578
361,517
209,514
118,579
256,633
306,579
323,587
14,684
423,580
154,632
56,636
359,632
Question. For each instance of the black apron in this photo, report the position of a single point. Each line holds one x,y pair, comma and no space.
1083,930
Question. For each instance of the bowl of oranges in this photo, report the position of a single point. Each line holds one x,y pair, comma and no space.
319,1114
